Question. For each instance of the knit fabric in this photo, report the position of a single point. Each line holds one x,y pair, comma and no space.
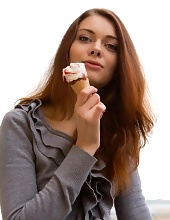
45,176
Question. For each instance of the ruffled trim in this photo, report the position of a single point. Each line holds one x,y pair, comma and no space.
97,192
51,143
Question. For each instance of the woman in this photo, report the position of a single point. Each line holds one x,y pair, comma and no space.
64,156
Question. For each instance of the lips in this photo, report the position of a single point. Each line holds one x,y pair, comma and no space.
95,63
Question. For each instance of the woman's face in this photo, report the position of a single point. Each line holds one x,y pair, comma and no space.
96,46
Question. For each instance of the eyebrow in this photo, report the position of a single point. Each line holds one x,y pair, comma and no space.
92,32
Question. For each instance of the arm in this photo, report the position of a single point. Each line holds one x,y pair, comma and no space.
131,205
18,190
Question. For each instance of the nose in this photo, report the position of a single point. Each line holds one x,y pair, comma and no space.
95,50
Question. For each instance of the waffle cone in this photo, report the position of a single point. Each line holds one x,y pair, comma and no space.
79,84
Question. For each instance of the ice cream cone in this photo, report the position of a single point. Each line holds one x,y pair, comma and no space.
79,84
76,75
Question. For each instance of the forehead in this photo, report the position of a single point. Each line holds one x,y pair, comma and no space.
98,24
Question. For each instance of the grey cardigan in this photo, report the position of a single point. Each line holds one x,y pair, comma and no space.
44,176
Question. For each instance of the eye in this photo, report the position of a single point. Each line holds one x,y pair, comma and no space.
84,38
111,47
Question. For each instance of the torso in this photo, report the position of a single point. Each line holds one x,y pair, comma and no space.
66,126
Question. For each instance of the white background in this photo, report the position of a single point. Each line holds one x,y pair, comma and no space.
30,32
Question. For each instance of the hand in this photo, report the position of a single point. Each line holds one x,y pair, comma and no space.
88,112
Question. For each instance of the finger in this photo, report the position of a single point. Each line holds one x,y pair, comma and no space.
84,95
99,110
93,100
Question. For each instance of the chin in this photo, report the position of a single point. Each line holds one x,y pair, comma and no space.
96,85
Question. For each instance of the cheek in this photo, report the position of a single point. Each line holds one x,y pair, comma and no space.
110,70
71,53
108,76
112,65
74,53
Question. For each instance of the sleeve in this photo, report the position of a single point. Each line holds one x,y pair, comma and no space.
131,205
19,197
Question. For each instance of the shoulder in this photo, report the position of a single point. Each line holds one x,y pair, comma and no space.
14,116
19,115
16,121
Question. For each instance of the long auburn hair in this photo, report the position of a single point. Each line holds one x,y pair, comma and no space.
128,119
